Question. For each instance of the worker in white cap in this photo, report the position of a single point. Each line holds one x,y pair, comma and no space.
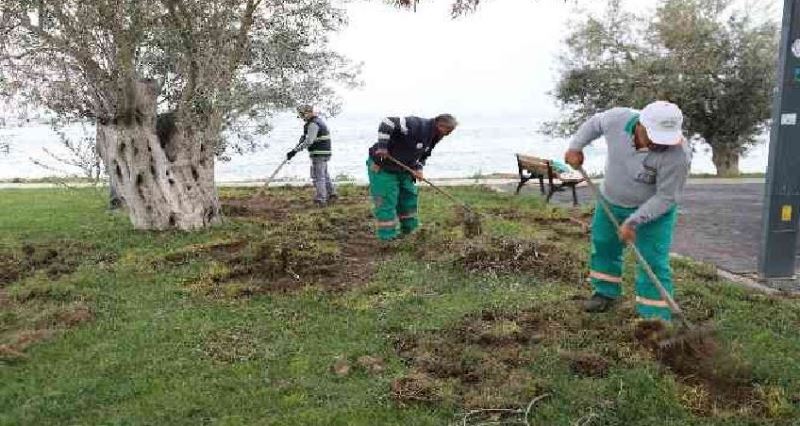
646,168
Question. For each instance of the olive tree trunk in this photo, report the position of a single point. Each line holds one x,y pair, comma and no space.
726,160
161,168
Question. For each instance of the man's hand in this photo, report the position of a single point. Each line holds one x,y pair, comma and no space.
381,152
574,158
290,155
418,175
627,233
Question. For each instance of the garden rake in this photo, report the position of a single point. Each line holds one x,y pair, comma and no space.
272,176
688,332
472,220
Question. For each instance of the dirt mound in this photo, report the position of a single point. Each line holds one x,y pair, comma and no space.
718,381
264,206
14,343
500,255
588,364
280,203
56,258
333,248
480,362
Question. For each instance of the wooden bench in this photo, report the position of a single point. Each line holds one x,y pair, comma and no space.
531,167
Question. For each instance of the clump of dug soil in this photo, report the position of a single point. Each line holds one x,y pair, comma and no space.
725,382
333,248
479,363
55,259
502,255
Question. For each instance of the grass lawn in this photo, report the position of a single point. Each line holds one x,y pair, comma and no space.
289,315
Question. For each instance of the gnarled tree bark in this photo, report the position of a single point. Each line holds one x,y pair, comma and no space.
162,166
726,160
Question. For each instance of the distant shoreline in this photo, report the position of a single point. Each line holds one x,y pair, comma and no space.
494,179
347,179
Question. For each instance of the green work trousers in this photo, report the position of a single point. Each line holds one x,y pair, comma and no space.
394,195
653,239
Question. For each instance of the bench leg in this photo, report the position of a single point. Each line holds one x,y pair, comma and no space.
550,195
519,186
541,184
574,197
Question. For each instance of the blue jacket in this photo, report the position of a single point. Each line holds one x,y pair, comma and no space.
409,139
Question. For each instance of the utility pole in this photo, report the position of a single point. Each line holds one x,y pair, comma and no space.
777,260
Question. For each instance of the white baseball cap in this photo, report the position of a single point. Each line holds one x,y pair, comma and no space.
663,122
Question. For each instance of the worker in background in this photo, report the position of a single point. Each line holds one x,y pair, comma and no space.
317,139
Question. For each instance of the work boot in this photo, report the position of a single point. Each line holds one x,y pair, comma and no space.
598,303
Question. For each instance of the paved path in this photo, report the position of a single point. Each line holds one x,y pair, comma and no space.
720,222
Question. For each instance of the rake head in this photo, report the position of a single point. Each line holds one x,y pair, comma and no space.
693,336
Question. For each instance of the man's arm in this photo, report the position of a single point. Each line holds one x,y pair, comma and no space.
590,130
669,185
311,135
388,126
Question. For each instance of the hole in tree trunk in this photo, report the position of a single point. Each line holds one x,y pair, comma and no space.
135,151
153,169
122,147
165,129
117,170
188,187
195,175
171,182
202,147
172,220
139,184
211,213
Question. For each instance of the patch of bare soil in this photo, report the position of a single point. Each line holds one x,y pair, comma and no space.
278,204
542,259
587,364
574,222
332,248
14,343
479,363
721,381
56,258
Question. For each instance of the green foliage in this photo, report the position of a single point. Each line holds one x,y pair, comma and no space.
231,63
715,62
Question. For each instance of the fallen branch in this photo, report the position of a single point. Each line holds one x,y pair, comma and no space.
526,412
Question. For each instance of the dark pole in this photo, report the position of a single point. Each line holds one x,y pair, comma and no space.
782,193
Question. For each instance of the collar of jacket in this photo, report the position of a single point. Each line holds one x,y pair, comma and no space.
630,126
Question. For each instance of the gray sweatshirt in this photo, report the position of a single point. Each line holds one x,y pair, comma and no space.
309,138
651,181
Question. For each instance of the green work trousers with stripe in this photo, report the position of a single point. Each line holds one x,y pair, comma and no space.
394,195
653,239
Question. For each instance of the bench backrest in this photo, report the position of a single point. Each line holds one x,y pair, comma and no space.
533,164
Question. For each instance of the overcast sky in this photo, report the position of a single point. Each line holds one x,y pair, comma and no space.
494,62
499,60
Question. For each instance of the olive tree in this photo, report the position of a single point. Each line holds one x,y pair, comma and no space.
716,63
164,80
